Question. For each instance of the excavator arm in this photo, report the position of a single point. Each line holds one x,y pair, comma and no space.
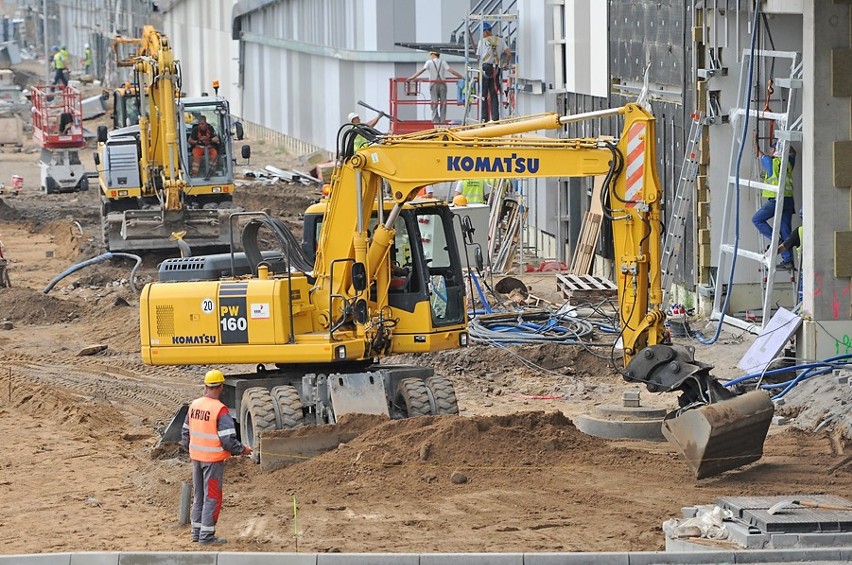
507,149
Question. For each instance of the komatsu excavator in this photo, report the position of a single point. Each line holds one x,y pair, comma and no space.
151,188
379,286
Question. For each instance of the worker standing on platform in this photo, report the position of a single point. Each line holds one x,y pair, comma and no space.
493,55
438,73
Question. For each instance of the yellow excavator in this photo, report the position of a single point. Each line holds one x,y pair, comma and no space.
379,285
156,178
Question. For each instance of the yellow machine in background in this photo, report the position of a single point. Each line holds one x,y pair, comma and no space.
144,165
378,288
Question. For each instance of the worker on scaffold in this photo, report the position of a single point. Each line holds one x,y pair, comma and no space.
493,55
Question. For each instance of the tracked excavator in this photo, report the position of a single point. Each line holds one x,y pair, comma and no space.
153,182
378,286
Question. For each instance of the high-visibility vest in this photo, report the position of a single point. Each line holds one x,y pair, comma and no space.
204,442
799,248
87,57
58,60
474,191
788,182
360,141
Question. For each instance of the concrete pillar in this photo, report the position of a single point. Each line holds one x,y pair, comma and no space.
826,120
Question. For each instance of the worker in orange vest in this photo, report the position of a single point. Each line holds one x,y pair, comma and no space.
210,435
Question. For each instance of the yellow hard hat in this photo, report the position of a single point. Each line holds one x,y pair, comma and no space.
460,200
214,377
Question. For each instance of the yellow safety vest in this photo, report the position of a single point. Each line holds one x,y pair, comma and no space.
474,191
58,60
773,179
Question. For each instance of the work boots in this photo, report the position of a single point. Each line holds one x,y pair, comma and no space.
212,541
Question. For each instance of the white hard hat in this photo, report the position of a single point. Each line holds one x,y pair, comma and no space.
86,46
353,115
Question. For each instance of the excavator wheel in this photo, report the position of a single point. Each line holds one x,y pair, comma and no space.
413,398
289,406
444,394
257,414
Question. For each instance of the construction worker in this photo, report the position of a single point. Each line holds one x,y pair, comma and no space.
438,73
473,190
203,139
210,435
772,166
59,67
355,119
87,59
493,55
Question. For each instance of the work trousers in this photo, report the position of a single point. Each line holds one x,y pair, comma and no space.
59,76
206,498
492,79
767,211
438,93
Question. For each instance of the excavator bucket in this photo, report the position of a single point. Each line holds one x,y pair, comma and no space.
147,230
722,436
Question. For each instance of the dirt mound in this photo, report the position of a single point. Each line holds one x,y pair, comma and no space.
8,212
28,306
286,201
84,415
442,445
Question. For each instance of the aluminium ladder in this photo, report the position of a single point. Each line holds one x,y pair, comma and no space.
787,128
682,207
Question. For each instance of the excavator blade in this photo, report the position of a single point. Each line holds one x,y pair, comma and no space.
146,230
280,448
722,436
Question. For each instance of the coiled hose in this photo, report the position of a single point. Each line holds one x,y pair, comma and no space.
94,261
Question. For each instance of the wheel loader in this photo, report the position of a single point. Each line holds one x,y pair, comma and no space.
379,273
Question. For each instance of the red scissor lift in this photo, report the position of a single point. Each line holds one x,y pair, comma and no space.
409,96
58,129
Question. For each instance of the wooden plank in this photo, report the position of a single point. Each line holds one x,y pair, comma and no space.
842,163
843,254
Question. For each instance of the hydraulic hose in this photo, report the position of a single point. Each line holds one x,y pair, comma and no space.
754,33
94,261
809,370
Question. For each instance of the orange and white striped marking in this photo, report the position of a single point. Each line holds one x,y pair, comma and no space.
635,166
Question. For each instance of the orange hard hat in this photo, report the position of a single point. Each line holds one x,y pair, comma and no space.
460,200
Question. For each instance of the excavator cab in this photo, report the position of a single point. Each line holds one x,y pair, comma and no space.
425,266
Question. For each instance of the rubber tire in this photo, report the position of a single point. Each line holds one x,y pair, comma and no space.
257,414
444,394
50,186
83,185
289,407
413,398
